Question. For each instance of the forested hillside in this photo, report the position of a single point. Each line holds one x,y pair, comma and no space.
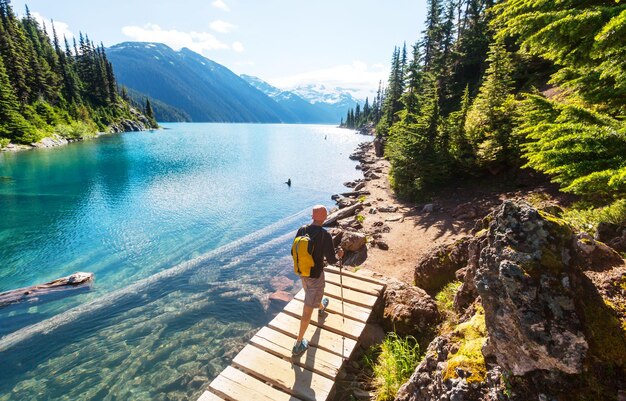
49,86
497,86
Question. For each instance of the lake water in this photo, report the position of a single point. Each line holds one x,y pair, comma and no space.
185,229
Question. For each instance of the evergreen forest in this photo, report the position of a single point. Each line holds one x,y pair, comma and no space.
495,86
49,86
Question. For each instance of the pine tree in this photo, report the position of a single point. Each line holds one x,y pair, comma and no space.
489,119
585,39
12,124
148,112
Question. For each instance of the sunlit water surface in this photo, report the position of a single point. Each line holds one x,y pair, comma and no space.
185,229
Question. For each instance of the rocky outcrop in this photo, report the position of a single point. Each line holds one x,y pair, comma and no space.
50,142
523,279
438,267
542,316
409,310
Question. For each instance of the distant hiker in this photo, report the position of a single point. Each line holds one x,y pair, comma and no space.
320,246
288,182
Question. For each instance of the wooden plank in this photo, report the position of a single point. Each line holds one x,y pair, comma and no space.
317,360
237,385
355,312
354,283
350,296
356,275
329,321
290,378
318,337
209,396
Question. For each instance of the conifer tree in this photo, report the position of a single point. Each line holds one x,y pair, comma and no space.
489,119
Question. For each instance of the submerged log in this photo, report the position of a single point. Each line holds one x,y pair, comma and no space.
32,293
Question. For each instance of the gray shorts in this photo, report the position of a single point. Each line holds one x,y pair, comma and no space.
313,290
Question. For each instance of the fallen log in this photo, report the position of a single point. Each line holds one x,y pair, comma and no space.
33,293
342,214
350,194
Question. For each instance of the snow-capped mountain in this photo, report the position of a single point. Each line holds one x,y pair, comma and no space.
307,111
318,93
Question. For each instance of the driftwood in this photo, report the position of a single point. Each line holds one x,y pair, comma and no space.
32,293
342,214
349,194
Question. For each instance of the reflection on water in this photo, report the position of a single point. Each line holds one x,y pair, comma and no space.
155,216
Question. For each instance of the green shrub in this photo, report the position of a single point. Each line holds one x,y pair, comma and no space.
587,218
76,130
445,305
394,365
4,142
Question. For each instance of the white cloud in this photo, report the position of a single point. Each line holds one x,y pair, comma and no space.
61,28
200,42
238,47
358,76
222,26
221,5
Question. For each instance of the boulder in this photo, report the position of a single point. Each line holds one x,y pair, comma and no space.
345,202
352,241
409,310
522,279
438,268
379,146
388,209
594,255
428,208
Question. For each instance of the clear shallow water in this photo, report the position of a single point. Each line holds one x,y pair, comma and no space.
184,229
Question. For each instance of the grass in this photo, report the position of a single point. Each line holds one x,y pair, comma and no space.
445,305
587,218
395,363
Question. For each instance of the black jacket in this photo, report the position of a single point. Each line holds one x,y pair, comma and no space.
322,247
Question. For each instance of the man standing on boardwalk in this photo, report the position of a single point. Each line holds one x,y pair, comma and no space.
314,284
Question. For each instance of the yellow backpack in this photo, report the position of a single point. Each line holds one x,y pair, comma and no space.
302,253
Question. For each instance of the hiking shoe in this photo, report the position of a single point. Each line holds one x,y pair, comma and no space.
325,302
300,347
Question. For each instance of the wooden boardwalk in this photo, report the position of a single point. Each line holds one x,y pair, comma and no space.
265,369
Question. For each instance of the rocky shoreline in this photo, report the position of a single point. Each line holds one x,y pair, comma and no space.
535,311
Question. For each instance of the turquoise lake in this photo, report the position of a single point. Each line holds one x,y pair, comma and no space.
186,229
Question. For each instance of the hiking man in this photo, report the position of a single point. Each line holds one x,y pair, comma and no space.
314,284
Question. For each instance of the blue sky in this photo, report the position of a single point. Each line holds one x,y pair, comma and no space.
345,43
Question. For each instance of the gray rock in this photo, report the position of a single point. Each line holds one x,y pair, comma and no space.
439,266
352,241
428,208
388,209
529,312
409,310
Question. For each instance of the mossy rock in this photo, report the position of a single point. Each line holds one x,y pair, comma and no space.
470,337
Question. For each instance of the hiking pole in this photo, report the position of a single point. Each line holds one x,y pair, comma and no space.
343,316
